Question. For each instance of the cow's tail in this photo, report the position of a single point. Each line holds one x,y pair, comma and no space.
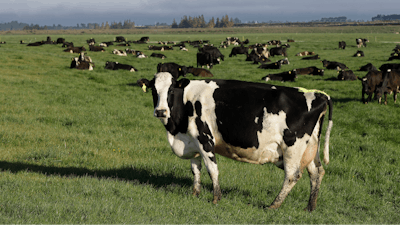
328,133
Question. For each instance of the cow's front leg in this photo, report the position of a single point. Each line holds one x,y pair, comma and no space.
212,168
196,168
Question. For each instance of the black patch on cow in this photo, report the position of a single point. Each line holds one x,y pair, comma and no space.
205,137
238,104
179,120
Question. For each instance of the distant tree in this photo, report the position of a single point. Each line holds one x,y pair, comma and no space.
211,23
174,24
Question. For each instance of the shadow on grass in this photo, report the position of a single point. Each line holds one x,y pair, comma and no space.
138,176
134,175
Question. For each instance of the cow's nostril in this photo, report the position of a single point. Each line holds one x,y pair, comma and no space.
160,113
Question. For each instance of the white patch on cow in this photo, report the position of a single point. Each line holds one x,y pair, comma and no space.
267,79
132,70
183,145
256,120
273,87
310,96
162,84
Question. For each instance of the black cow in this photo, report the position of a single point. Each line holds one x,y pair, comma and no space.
274,66
394,56
278,51
172,68
157,48
312,70
389,66
119,66
60,40
215,53
359,54
75,49
39,43
106,43
346,75
284,76
67,44
248,122
390,84
239,50
368,67
157,55
370,83
204,59
332,65
342,44
96,48
144,39
199,72
120,39
315,57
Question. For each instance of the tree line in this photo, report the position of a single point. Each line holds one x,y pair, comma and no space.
199,22
127,24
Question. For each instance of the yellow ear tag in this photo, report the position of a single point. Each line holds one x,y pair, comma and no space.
144,88
290,72
180,69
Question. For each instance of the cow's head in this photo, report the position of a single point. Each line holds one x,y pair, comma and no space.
167,96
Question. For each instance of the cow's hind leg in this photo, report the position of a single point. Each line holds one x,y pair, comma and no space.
196,168
212,168
292,175
316,173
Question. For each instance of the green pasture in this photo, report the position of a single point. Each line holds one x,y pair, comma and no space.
83,146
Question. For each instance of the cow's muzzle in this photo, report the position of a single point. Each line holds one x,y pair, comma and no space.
160,113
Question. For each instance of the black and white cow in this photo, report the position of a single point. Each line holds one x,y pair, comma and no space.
346,75
332,65
120,39
274,66
359,54
204,59
361,42
370,84
248,122
175,69
158,55
278,51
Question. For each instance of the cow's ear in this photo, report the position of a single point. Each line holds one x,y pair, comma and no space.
182,83
144,84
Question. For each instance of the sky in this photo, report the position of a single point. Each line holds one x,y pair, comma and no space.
149,12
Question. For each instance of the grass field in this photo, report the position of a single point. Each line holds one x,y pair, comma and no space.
83,146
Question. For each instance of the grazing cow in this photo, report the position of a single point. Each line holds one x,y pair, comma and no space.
312,70
346,75
239,50
305,53
342,44
199,72
60,40
204,59
359,54
368,67
120,39
248,122
315,57
389,66
96,48
332,65
174,69
119,66
361,42
390,84
284,76
119,52
274,66
278,51
370,83
75,49
157,55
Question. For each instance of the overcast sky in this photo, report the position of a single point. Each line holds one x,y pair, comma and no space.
147,12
